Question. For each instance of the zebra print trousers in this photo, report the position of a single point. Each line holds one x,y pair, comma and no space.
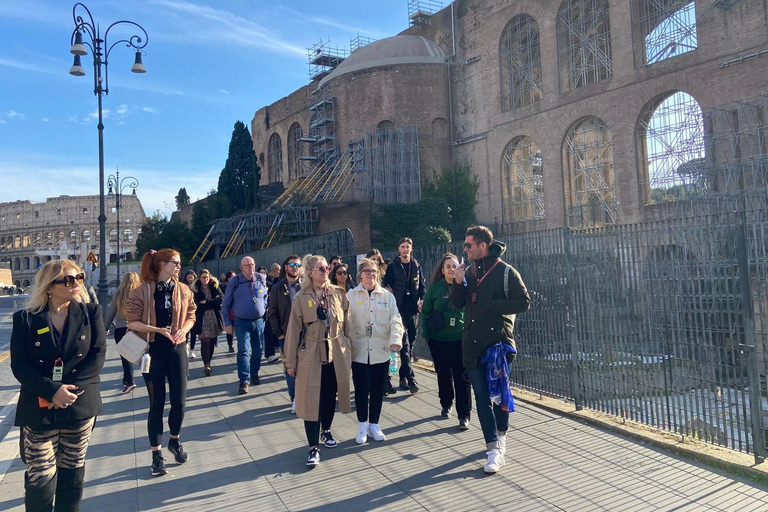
45,450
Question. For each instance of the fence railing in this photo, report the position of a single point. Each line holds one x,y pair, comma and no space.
664,323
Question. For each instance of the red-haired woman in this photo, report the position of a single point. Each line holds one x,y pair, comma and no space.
170,307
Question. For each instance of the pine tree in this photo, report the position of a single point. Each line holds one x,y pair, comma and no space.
239,180
182,199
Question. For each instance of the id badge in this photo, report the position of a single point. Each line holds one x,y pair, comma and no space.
452,322
58,370
369,330
255,300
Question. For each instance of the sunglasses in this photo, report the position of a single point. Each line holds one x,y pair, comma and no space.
294,265
370,271
469,246
323,269
341,273
69,281
177,263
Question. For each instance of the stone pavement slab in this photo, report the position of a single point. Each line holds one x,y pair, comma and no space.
247,453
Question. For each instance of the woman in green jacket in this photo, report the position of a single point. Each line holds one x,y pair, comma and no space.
442,327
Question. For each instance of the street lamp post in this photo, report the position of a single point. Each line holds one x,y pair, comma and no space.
119,185
97,44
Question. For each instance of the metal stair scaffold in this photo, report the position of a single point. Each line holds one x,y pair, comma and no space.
234,241
204,246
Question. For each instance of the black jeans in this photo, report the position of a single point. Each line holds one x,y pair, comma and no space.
168,362
192,338
127,366
270,340
451,376
328,389
406,353
369,380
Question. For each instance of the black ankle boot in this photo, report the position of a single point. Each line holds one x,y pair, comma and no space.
69,489
39,498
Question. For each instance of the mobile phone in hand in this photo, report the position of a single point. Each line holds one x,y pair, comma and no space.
77,391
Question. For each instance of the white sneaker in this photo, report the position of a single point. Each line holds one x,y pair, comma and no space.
293,407
192,355
495,461
273,359
375,432
501,439
362,432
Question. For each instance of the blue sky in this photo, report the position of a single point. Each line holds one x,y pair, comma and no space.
209,63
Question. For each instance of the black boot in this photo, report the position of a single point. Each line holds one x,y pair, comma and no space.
69,489
39,498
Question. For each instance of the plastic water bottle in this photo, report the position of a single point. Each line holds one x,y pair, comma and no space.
393,363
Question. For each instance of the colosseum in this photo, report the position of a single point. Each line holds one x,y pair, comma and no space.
578,113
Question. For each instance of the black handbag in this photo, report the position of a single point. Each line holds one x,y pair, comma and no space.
435,321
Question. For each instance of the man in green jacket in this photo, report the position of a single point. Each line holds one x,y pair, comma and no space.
492,293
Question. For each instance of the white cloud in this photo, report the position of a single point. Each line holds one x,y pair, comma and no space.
2,121
104,114
223,91
151,110
45,120
122,110
11,114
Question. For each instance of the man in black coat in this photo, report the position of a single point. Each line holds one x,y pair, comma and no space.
281,296
492,293
405,280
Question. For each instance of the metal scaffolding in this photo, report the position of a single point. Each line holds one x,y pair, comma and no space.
420,11
522,181
249,231
583,43
520,61
662,29
323,58
390,168
355,43
589,163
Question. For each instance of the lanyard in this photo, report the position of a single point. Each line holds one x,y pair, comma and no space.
480,282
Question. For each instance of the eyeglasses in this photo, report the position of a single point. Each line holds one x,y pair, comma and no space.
323,269
370,271
248,265
341,273
177,263
294,265
69,281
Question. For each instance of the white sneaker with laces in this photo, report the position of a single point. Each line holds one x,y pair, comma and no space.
362,432
293,407
375,432
495,461
501,439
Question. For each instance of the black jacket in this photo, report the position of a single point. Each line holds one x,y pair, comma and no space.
279,307
217,296
491,318
396,277
34,352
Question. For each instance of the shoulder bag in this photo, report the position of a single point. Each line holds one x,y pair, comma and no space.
133,346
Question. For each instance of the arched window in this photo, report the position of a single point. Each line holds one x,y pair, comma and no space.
17,242
59,238
275,156
670,141
520,63
35,262
583,43
127,235
25,263
113,236
440,129
662,29
2,242
25,240
17,264
294,150
522,187
37,237
86,236
385,124
588,163
72,237
48,240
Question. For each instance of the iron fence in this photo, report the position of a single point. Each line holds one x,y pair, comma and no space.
664,323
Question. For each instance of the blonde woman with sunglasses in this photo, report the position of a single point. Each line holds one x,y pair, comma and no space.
58,346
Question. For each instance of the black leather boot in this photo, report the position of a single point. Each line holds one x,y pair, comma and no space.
69,489
39,498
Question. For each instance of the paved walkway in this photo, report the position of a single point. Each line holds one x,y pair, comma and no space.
247,454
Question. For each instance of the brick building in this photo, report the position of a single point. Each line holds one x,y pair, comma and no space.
63,227
573,113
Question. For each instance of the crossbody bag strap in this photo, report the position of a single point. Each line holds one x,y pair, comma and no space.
506,282
149,310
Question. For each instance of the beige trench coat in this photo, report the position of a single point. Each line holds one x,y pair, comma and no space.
307,359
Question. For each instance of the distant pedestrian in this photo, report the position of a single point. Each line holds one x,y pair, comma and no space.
336,260
116,313
274,274
270,342
404,278
442,326
170,307
321,358
490,307
58,346
189,279
209,322
341,278
376,330
281,297
375,255
246,298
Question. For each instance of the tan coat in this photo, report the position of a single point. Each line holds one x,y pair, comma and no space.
140,303
308,359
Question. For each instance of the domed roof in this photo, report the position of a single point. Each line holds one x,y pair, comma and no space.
390,52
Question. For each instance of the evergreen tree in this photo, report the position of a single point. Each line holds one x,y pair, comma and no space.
458,187
182,199
239,180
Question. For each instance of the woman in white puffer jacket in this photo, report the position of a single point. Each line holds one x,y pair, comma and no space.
376,330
